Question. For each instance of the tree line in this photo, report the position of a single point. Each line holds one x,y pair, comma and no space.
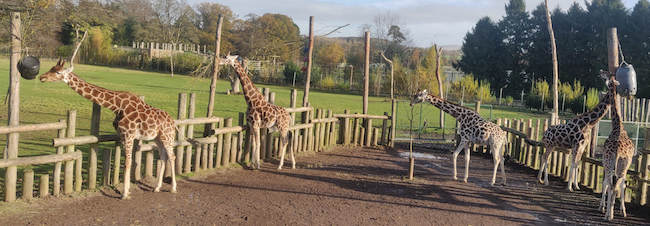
515,52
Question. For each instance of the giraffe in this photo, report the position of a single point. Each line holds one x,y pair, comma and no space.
575,134
262,114
618,151
472,129
134,119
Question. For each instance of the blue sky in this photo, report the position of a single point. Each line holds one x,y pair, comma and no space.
444,22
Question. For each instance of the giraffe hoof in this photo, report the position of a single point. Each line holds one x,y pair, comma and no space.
126,197
279,168
173,191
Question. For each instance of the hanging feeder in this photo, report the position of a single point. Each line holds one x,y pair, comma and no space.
626,76
29,67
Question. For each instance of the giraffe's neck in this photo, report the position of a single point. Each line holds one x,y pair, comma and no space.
450,108
250,92
592,117
107,98
617,124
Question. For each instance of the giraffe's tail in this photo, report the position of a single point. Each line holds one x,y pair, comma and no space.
522,135
192,141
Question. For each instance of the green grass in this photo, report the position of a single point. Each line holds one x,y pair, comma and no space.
49,102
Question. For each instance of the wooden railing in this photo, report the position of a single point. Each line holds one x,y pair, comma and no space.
221,145
591,173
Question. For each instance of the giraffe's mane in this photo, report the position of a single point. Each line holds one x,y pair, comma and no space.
105,89
452,103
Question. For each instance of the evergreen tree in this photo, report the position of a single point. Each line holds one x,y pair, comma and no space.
515,27
482,53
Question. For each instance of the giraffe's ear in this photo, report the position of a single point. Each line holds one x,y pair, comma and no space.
69,70
424,91
616,82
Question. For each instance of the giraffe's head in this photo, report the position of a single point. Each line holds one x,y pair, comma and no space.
229,60
610,80
419,97
57,73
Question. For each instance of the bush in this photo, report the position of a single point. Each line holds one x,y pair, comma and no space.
328,83
289,69
509,100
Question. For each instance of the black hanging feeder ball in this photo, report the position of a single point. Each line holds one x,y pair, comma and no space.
29,67
626,76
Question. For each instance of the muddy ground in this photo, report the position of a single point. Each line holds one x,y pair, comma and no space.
342,186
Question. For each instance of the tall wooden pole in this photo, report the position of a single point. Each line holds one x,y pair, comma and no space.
439,78
612,50
554,114
14,107
305,98
215,72
366,73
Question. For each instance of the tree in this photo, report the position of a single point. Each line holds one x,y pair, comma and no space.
389,34
636,45
515,27
482,53
329,55
208,15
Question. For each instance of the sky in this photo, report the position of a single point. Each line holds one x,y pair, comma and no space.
442,22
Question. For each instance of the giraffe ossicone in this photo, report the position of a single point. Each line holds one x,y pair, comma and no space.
134,120
262,114
472,128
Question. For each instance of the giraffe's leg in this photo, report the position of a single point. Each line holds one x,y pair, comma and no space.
573,172
606,184
498,159
284,137
462,145
625,165
128,148
161,172
467,153
256,147
544,167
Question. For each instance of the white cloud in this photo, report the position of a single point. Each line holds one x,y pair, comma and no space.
444,22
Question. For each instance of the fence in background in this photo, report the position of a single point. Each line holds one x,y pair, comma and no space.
225,142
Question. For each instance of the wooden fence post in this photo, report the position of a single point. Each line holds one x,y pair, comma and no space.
343,125
28,184
94,148
68,177
219,149
44,187
182,106
190,134
225,160
106,166
384,126
56,179
116,163
393,119
243,139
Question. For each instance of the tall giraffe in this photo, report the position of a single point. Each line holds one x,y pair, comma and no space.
618,151
575,134
134,119
262,114
472,129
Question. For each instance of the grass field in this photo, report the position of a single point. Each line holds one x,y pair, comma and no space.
49,102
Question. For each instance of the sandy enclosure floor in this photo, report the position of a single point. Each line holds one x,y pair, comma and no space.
342,186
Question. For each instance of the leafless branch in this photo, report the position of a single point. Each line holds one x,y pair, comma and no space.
77,48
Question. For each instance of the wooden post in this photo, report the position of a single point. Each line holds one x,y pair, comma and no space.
78,178
317,130
11,173
44,186
225,160
305,98
368,135
94,148
68,177
182,106
393,123
292,104
106,166
56,179
219,149
28,184
366,73
245,139
240,137
116,164
384,126
190,134
343,124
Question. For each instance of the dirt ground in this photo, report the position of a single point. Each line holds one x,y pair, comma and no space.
342,186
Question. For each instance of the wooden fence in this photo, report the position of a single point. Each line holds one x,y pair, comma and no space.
591,173
225,142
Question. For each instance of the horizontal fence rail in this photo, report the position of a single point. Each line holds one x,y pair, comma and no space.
225,141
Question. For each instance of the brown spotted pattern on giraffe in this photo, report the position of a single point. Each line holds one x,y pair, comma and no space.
134,119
